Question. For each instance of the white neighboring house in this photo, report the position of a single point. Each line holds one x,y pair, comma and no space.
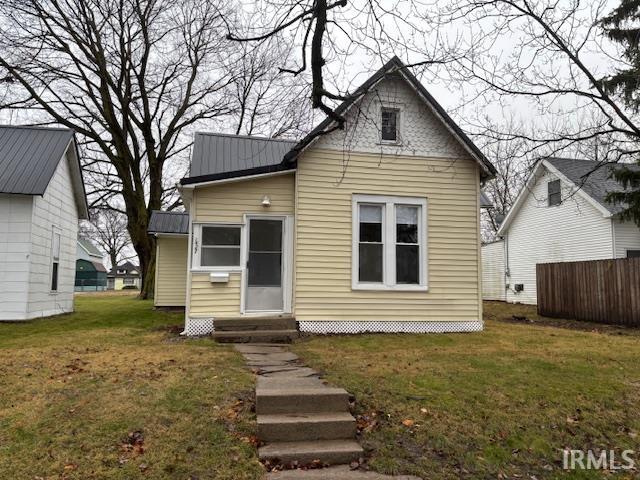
42,198
561,215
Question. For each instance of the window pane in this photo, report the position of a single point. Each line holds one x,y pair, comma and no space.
55,247
389,124
220,257
265,269
265,235
370,223
553,192
370,268
407,264
406,224
54,277
221,236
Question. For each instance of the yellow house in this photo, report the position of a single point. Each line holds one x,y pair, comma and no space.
370,227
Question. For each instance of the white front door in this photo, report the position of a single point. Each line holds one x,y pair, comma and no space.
266,264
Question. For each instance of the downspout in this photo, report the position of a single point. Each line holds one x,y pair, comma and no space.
187,304
613,239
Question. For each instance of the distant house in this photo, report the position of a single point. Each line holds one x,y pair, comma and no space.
42,198
91,275
561,215
124,275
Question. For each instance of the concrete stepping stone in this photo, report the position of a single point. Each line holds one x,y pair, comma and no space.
327,451
286,371
339,472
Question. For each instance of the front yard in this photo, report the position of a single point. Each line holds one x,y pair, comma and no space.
112,392
109,393
499,404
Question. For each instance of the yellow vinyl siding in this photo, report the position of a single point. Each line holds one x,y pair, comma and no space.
323,236
227,203
215,299
171,271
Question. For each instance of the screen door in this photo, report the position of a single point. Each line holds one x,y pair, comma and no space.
265,265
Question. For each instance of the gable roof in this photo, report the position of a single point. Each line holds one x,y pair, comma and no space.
29,157
392,66
127,266
168,222
223,156
592,180
89,247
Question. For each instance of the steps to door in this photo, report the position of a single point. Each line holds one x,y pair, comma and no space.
300,419
255,330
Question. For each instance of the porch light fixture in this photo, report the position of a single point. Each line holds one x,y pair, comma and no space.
266,201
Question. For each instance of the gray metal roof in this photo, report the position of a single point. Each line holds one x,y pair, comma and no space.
29,157
593,177
485,201
90,247
218,153
168,222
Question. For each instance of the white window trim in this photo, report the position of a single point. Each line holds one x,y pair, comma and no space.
55,231
388,249
197,237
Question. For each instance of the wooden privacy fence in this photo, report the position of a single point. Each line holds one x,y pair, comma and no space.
604,291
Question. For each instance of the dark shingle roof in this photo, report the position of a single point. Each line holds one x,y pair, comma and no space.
217,154
593,177
128,267
29,157
168,222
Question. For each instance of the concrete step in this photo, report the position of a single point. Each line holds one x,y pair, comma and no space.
299,427
301,400
254,323
263,336
332,452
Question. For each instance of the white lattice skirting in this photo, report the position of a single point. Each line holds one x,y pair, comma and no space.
389,327
198,326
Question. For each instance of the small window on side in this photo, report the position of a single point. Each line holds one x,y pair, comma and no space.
633,253
389,123
55,259
553,193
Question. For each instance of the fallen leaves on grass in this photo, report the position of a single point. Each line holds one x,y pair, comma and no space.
133,443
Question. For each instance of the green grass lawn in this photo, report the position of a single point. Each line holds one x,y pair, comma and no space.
502,403
73,388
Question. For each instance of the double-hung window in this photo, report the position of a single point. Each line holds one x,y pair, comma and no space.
554,193
55,259
389,243
217,246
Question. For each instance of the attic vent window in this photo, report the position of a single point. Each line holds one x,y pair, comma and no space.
389,122
553,191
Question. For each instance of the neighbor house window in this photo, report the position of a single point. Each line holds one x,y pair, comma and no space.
389,123
127,281
55,259
218,246
389,243
633,253
553,191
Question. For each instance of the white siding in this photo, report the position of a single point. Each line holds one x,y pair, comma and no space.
493,280
627,237
572,231
57,207
15,234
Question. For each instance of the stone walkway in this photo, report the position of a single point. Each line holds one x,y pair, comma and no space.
301,419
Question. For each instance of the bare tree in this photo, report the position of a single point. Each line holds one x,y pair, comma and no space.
129,76
108,229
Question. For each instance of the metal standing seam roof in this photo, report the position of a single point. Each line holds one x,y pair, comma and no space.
29,157
168,222
218,156
593,178
220,153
